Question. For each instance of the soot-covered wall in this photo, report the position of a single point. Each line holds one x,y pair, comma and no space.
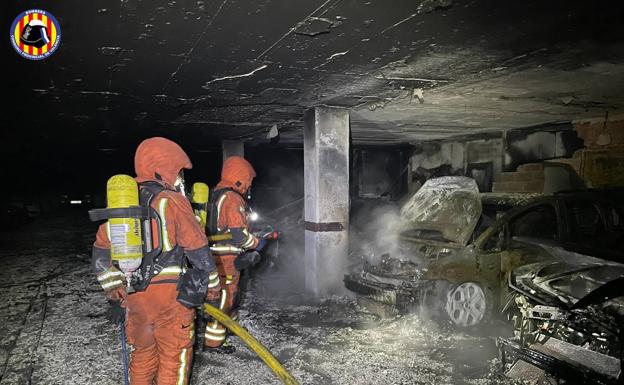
482,157
379,172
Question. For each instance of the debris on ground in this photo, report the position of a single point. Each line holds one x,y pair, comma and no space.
56,331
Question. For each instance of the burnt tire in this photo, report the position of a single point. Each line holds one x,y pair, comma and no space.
467,305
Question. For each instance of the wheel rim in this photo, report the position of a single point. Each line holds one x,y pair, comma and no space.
466,304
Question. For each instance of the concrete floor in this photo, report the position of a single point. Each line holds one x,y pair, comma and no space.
55,330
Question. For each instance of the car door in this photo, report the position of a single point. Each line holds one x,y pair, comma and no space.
504,247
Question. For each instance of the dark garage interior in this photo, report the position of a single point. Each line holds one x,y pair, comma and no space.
438,192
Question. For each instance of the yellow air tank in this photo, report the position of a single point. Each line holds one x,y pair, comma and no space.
122,191
199,196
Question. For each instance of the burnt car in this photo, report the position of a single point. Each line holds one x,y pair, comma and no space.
569,313
456,256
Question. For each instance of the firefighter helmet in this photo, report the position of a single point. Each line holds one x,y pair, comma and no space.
35,34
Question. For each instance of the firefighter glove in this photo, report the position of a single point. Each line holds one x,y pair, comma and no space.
247,259
192,288
116,313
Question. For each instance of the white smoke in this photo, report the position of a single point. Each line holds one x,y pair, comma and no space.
376,232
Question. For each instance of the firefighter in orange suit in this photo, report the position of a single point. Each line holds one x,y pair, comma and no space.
228,215
158,325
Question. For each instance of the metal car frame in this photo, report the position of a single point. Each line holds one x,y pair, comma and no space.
487,261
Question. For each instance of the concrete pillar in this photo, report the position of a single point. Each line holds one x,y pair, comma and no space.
326,174
233,147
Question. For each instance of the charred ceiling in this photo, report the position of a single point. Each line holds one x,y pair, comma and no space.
409,70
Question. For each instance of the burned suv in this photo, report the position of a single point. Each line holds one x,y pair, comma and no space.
458,249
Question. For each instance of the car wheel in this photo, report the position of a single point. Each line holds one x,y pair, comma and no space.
467,304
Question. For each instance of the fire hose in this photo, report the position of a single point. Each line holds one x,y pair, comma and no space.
253,344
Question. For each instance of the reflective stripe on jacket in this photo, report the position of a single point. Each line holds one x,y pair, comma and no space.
232,218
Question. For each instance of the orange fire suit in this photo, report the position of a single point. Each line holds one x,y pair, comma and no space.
236,176
160,329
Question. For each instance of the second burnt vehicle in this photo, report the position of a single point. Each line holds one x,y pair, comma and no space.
568,312
568,316
458,248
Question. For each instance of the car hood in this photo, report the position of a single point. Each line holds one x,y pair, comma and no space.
444,209
570,279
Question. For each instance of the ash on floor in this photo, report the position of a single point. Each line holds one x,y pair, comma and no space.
55,330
